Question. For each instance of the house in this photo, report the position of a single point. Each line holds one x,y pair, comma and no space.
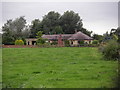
74,39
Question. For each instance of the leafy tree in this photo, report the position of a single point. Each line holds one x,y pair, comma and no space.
17,26
39,34
107,37
98,37
50,21
40,40
7,37
85,31
115,33
70,21
54,23
57,30
14,29
35,27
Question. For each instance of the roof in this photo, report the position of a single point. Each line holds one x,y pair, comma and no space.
77,36
56,36
80,36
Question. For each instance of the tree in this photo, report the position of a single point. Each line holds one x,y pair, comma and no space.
115,33
7,37
14,29
40,40
85,31
70,21
118,33
50,21
35,27
57,30
17,26
98,37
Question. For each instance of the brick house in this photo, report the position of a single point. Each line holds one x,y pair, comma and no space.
74,39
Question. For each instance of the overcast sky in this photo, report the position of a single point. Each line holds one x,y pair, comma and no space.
98,17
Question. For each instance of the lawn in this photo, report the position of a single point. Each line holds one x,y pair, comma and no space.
67,67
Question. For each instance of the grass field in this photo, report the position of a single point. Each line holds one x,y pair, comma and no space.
68,67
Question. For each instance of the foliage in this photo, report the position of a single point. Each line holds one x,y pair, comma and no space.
39,34
56,68
70,21
116,34
57,30
110,50
14,29
50,21
82,42
114,37
40,40
19,42
67,43
35,27
98,37
85,31
95,42
54,43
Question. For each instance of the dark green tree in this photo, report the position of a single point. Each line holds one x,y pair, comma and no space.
57,30
70,21
40,40
50,21
97,37
35,27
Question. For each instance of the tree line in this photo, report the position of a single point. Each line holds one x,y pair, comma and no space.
52,23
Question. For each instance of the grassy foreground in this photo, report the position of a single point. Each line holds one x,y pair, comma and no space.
71,67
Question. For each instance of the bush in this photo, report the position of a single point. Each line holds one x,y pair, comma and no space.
19,42
54,43
82,42
67,43
110,50
95,42
40,41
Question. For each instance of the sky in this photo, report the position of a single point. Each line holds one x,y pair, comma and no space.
98,17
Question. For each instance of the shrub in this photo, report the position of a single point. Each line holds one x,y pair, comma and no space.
95,42
19,42
54,43
81,42
67,43
40,41
110,50
16,42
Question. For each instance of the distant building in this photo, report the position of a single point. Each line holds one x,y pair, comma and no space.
74,39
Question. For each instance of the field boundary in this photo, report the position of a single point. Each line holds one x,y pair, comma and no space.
35,46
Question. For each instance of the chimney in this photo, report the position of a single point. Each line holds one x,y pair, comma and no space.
75,30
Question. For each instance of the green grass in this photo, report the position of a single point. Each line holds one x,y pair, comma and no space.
68,67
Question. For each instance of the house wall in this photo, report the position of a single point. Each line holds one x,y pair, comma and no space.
73,42
29,41
88,41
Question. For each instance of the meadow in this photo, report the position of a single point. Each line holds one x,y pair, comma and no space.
65,67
